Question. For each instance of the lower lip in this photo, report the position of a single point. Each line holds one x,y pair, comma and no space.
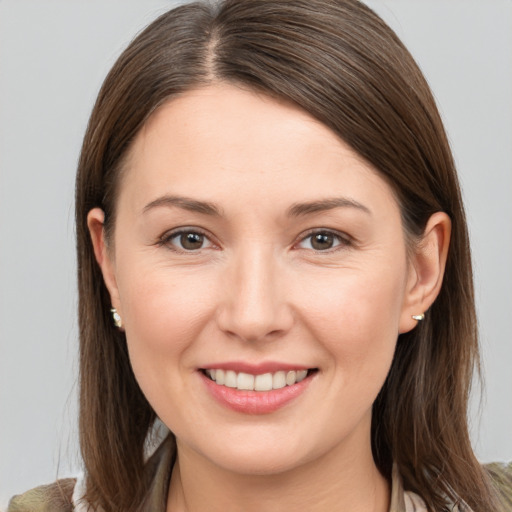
255,402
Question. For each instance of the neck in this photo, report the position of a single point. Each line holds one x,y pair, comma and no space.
342,480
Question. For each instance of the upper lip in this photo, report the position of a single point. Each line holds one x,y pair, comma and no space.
255,368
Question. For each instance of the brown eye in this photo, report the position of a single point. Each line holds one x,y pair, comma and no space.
191,241
322,241
187,241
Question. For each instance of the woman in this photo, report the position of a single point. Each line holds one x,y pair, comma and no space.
273,260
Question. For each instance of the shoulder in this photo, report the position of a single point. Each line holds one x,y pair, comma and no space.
56,497
501,475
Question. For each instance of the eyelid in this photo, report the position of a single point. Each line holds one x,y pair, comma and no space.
165,238
345,240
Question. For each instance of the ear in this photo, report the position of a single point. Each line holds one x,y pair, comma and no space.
104,256
426,270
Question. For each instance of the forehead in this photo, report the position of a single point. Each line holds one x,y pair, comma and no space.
222,141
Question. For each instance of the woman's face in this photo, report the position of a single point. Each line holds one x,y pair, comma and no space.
252,245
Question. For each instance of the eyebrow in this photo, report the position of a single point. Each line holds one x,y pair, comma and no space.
296,210
301,209
186,203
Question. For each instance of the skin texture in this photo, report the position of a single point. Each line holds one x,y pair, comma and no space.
256,290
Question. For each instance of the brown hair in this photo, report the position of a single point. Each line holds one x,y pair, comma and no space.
340,62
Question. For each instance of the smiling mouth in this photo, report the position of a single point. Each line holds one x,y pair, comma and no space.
262,382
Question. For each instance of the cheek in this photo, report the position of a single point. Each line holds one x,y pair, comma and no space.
164,312
356,303
356,319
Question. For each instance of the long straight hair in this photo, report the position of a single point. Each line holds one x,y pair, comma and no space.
337,60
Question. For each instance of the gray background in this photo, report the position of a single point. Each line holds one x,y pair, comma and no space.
53,57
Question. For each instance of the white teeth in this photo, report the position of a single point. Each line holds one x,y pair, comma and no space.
230,379
301,375
291,378
263,382
219,376
245,381
279,380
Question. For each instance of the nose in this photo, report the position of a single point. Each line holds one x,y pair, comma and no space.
254,306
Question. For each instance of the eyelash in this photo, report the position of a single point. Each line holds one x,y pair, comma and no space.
166,239
342,239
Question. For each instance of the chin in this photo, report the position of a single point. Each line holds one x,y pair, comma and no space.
258,454
257,463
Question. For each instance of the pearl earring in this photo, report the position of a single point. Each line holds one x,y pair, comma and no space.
419,318
117,318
